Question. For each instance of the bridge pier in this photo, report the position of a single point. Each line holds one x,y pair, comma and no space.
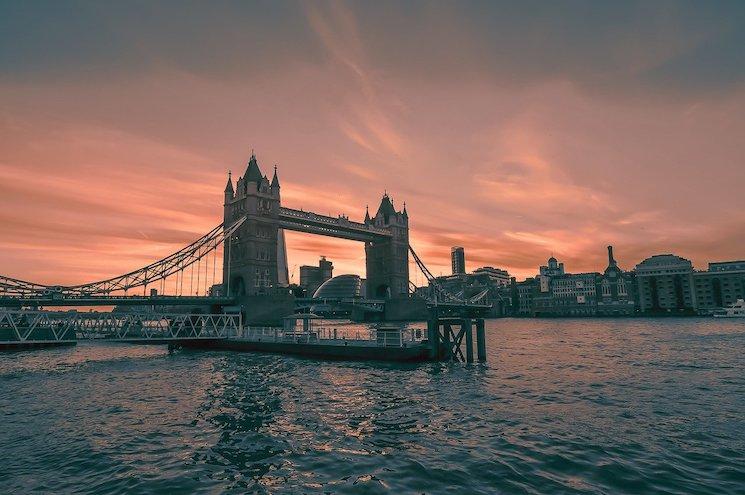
448,335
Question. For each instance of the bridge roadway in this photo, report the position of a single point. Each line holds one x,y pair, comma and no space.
371,305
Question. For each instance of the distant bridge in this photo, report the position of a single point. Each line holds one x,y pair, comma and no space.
37,327
113,300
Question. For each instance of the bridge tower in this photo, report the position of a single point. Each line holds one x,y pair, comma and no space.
388,259
256,252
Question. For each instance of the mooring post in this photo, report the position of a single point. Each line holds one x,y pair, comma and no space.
481,339
468,324
433,338
447,344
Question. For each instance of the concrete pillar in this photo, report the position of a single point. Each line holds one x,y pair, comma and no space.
469,339
481,339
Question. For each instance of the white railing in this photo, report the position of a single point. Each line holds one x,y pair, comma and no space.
403,337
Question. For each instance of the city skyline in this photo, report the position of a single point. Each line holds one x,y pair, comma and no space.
113,155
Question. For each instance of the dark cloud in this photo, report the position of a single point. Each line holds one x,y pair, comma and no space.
606,47
90,39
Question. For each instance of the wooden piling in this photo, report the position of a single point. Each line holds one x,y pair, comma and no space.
446,330
433,338
469,339
481,339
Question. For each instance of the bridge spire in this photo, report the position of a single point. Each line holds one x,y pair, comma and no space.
253,172
229,186
275,179
367,213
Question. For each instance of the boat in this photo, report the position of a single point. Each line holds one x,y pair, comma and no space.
300,335
737,310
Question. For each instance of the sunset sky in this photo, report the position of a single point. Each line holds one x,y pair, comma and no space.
516,130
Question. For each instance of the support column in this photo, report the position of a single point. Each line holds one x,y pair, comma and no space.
469,339
446,330
481,339
433,338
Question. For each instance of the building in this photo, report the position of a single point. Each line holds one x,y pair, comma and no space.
311,277
552,269
522,294
340,287
458,260
567,295
720,286
615,291
500,278
665,285
553,292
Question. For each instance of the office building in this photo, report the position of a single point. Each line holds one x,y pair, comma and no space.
458,260
311,277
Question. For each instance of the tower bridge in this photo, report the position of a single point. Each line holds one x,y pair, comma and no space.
257,258
254,261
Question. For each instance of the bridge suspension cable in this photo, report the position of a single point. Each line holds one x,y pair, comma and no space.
438,294
174,263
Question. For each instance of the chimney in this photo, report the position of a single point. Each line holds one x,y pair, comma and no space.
611,261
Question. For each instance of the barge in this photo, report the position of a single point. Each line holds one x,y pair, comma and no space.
301,336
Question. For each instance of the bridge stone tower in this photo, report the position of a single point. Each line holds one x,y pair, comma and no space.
256,252
388,259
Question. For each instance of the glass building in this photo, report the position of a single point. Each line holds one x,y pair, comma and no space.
339,287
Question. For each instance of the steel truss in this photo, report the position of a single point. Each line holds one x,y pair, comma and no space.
27,326
34,326
142,277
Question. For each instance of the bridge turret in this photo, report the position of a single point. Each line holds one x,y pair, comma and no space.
229,193
257,261
388,260
275,182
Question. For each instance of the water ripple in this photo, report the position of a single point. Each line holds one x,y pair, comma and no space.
565,406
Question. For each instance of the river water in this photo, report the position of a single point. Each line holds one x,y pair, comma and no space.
561,406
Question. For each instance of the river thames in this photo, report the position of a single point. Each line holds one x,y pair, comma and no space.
561,406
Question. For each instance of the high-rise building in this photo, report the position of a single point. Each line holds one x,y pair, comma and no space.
458,260
311,277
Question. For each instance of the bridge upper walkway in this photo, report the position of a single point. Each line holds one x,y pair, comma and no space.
341,227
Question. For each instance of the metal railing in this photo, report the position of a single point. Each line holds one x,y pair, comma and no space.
403,337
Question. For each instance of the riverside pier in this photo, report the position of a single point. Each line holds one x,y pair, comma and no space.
444,339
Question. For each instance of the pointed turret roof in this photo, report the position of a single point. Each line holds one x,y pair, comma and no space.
253,172
367,214
406,213
386,206
229,186
275,179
